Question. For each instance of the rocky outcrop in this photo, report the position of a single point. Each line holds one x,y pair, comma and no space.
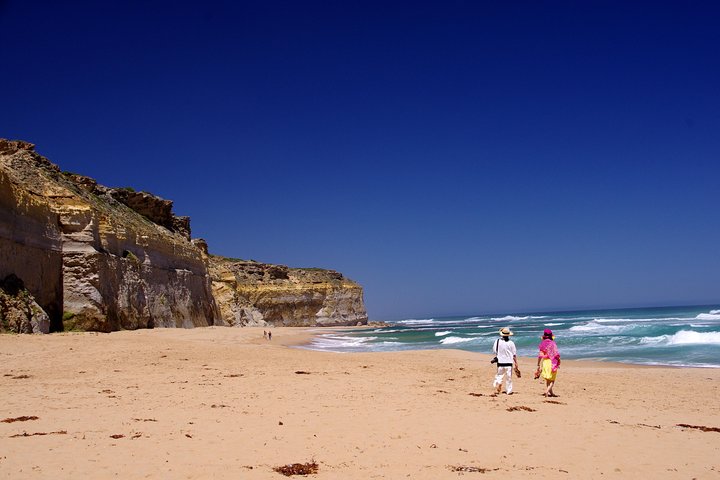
19,312
259,294
95,253
30,240
91,257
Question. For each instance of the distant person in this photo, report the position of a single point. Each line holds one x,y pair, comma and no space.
548,361
265,334
506,355
269,335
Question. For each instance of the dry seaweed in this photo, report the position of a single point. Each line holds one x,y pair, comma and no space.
298,469
554,402
25,434
465,468
476,394
19,419
702,428
117,435
520,407
21,377
302,372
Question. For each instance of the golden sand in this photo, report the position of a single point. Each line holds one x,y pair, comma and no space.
225,403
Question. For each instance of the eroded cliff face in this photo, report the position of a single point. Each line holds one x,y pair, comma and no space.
77,255
259,294
30,240
97,254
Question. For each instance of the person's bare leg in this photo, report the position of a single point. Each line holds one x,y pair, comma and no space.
550,388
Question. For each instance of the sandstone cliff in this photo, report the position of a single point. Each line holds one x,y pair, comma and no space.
103,259
94,255
258,294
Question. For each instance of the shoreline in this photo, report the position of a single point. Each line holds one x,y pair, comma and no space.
312,333
222,402
303,336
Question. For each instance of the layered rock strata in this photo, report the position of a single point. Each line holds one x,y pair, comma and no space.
103,259
86,253
258,294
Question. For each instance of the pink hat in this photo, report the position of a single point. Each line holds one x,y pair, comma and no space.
547,333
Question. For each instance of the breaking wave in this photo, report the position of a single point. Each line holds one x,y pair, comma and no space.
452,340
684,337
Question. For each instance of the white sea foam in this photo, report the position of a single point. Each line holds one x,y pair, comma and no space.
595,328
413,321
715,312
684,337
709,316
508,318
634,320
334,342
654,340
552,324
442,334
452,340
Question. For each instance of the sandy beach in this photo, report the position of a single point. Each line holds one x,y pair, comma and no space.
225,403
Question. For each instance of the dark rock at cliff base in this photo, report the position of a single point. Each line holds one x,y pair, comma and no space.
19,312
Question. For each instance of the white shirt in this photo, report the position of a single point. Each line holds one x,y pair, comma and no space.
505,351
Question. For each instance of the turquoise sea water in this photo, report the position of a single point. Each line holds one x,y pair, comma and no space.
679,336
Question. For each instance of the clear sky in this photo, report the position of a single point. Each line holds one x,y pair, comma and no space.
452,157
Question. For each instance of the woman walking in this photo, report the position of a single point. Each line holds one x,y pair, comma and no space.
548,361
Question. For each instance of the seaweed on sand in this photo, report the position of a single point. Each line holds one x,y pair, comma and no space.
702,428
24,418
298,469
25,434
521,407
465,468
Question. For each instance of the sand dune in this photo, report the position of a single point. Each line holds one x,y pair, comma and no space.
224,403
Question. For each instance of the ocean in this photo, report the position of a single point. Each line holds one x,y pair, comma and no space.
674,336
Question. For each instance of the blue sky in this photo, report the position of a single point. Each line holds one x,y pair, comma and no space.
452,157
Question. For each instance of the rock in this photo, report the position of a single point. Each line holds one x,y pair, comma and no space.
258,294
104,259
19,312
156,209
82,250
